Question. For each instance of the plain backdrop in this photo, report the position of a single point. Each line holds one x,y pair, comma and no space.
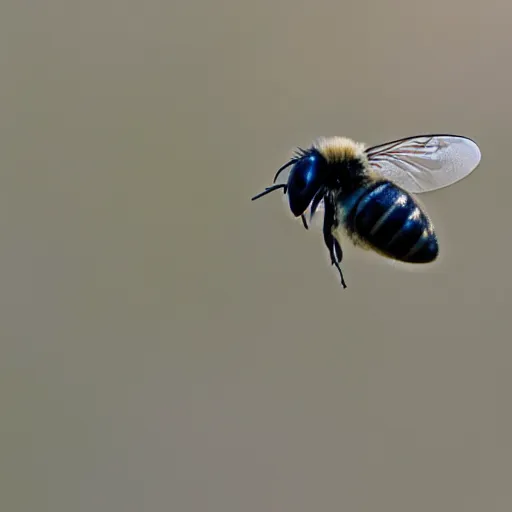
168,345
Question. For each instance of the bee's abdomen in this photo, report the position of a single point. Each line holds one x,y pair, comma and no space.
388,219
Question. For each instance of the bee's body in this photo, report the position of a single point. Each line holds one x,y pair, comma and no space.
387,219
362,194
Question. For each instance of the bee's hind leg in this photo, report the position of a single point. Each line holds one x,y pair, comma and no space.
332,244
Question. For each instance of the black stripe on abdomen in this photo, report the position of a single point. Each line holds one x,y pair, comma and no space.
390,220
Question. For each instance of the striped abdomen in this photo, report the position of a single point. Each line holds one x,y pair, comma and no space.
389,220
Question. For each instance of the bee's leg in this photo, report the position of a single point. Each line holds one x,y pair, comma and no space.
332,244
304,221
336,257
338,252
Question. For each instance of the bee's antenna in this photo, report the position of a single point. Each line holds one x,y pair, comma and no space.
268,190
291,162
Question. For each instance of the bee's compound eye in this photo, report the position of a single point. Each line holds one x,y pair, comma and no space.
306,172
306,178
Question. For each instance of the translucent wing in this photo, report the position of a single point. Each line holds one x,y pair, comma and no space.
425,162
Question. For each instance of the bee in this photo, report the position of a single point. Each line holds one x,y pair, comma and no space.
367,193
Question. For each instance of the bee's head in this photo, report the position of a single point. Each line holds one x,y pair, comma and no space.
307,177
330,164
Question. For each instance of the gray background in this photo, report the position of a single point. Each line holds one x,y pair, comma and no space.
167,345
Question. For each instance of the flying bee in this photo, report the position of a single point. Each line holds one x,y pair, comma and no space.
366,193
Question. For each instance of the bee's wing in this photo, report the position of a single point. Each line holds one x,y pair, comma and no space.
425,162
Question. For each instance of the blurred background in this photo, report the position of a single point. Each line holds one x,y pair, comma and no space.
165,344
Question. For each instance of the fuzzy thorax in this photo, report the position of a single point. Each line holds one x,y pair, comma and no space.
339,149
